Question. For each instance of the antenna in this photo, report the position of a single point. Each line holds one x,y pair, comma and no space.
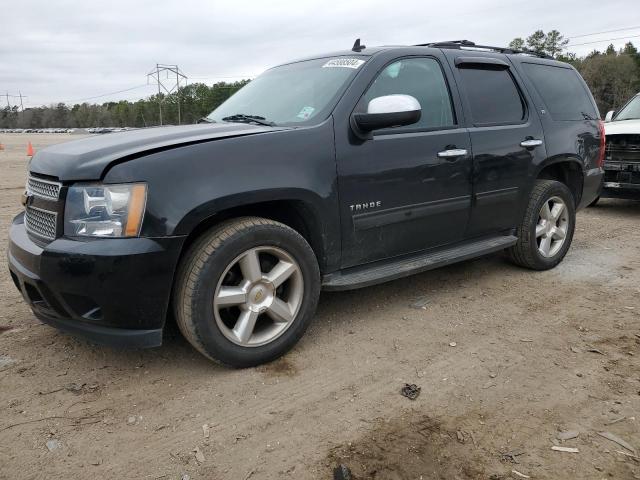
357,47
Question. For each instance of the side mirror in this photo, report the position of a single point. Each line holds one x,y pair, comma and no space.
386,112
609,115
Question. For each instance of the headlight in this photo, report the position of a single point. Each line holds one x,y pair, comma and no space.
105,210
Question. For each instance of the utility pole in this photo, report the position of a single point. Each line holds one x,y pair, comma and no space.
21,105
168,87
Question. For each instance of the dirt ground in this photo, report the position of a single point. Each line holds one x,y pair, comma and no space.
507,360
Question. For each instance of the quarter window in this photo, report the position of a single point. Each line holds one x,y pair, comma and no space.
562,92
493,96
421,78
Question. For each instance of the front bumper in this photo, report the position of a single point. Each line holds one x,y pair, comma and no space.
111,291
622,179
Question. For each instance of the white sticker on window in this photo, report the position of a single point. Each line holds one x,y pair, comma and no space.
344,63
305,113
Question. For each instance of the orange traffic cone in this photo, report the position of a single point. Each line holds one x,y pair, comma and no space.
1,147
30,151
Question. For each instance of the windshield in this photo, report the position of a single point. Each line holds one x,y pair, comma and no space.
302,93
631,110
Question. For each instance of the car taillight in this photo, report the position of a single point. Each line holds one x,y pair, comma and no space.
602,144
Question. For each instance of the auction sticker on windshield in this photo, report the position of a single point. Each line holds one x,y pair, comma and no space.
344,63
305,113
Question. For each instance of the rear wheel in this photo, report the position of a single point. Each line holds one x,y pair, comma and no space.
546,231
246,291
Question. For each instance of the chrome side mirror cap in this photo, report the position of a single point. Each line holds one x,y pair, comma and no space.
393,104
386,112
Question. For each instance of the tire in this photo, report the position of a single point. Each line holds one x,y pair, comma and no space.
246,291
529,250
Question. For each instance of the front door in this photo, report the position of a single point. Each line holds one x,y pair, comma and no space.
407,189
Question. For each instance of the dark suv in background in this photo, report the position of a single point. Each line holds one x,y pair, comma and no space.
336,172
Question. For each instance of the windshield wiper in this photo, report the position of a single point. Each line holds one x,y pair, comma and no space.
205,120
243,118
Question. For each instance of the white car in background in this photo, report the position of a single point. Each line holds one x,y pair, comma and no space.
622,153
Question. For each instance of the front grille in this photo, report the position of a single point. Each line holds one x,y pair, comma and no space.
43,188
41,222
623,148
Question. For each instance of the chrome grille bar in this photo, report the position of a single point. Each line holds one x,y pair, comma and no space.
41,222
43,188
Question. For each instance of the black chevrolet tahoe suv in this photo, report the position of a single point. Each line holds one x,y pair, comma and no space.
334,172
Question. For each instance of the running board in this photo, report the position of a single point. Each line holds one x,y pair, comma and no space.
386,270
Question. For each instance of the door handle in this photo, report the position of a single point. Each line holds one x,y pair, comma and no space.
531,143
453,153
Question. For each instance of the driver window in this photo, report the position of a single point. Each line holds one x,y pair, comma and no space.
421,78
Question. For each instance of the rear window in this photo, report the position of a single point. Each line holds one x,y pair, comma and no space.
493,96
562,92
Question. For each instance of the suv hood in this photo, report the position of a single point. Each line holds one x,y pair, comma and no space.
622,127
88,158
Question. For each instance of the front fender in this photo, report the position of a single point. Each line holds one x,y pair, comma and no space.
213,207
190,184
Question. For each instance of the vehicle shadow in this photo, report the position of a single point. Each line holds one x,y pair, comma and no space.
335,310
630,208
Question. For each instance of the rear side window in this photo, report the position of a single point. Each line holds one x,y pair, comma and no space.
493,96
561,90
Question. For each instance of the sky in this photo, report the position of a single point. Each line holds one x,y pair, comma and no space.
74,51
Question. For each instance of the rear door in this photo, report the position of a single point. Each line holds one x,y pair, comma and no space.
506,138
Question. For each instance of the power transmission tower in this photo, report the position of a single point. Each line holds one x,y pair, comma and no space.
168,84
20,96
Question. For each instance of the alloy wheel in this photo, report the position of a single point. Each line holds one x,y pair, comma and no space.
258,296
551,229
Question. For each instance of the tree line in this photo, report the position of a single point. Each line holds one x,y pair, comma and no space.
612,75
197,100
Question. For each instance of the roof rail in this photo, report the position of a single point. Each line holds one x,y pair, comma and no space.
460,44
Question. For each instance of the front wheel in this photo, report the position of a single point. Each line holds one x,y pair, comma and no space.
546,231
246,291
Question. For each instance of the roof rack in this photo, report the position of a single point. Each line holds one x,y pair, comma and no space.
460,44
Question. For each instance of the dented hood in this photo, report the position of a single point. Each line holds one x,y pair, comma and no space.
89,158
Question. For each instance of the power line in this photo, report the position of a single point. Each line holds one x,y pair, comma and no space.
605,31
107,94
220,76
602,41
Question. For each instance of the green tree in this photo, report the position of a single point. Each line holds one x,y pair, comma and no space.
537,41
612,79
517,44
554,43
632,51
